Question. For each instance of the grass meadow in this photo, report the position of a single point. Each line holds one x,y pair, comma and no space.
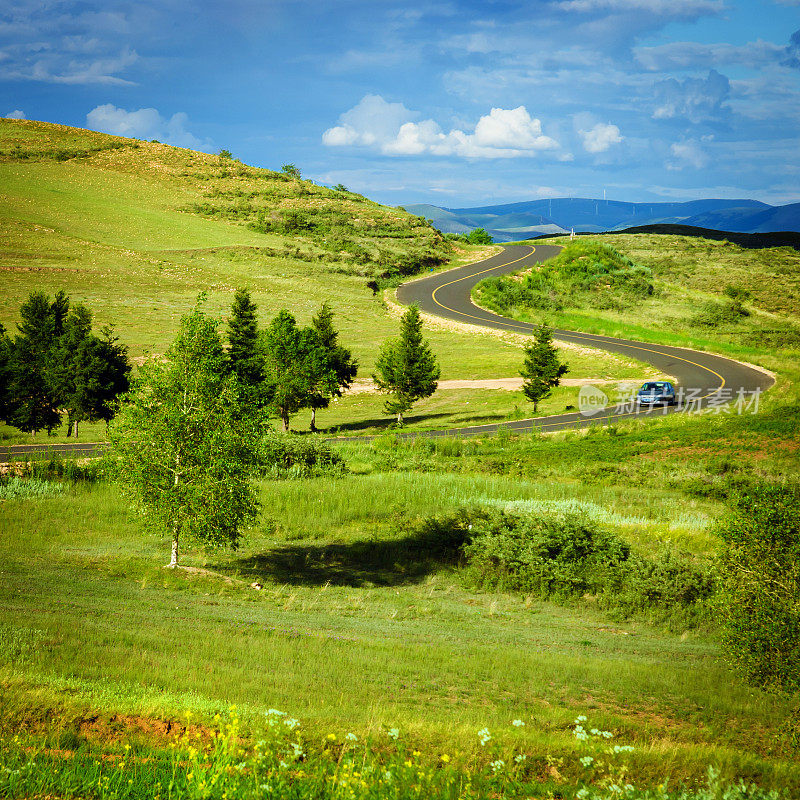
362,625
358,630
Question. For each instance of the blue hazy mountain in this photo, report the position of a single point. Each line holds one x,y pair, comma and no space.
514,221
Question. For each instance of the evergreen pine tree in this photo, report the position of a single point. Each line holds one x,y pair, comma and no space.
34,407
541,369
59,309
406,368
245,359
336,367
5,375
101,369
62,373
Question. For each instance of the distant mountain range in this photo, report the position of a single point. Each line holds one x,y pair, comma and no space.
513,221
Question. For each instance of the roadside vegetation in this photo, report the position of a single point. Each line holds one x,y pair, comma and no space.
566,615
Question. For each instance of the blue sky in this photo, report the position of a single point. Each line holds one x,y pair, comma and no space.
454,103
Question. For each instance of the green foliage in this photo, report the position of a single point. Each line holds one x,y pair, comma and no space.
714,314
550,557
58,364
291,367
17,487
226,154
245,359
475,236
89,372
760,574
33,406
564,558
737,293
186,447
291,171
542,371
583,274
6,350
335,368
478,236
288,456
102,374
406,369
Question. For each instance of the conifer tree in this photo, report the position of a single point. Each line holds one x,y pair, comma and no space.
541,369
34,407
62,373
245,359
59,310
102,374
336,367
5,374
406,368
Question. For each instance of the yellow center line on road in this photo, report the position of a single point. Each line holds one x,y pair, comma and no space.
573,335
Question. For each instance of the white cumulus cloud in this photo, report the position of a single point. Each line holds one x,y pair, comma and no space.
17,114
695,99
687,154
391,128
373,121
145,123
599,138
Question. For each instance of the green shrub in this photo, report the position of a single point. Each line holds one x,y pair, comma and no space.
583,273
544,555
759,603
16,488
565,557
289,456
713,314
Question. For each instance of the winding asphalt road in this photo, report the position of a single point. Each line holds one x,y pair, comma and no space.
705,380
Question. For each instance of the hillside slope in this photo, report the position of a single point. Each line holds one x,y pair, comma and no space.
136,229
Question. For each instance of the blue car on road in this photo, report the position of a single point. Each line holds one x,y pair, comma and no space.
653,392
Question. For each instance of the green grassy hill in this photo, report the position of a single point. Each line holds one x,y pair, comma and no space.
136,229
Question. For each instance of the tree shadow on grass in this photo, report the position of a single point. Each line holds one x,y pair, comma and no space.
394,562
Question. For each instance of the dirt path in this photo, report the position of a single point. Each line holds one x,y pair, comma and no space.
366,386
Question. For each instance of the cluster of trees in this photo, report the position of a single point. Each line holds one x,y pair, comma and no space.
285,368
56,366
475,236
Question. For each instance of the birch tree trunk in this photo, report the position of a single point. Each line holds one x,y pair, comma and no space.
173,562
